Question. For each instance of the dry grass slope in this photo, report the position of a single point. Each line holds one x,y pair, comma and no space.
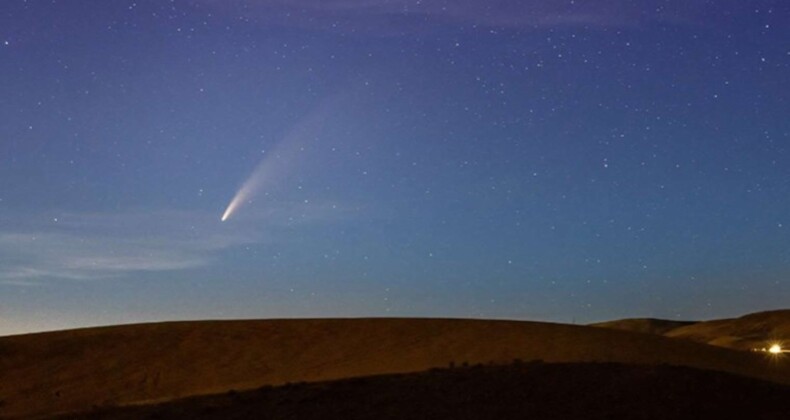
79,369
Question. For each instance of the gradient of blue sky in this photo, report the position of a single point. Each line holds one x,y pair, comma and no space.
565,161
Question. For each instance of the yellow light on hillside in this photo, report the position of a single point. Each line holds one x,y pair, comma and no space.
775,349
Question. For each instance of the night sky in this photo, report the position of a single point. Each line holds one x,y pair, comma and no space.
568,161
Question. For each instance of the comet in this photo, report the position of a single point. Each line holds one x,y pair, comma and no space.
277,163
234,204
228,211
248,189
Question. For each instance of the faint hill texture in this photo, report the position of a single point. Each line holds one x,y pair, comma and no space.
745,333
75,370
644,325
518,391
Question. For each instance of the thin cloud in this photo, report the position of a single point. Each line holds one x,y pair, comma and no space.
394,17
74,256
20,283
83,247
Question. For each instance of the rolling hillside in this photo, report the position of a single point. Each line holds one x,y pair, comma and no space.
76,370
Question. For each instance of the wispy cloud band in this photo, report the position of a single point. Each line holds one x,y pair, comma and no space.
390,17
96,246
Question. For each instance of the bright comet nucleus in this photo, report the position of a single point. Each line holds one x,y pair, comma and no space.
246,191
231,207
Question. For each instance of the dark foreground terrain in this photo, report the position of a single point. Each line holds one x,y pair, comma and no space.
531,390
72,371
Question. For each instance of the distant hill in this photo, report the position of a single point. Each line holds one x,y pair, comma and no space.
75,370
747,332
518,391
751,331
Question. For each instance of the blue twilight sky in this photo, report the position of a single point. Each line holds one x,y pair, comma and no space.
569,161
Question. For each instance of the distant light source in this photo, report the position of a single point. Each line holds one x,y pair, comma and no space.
775,349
